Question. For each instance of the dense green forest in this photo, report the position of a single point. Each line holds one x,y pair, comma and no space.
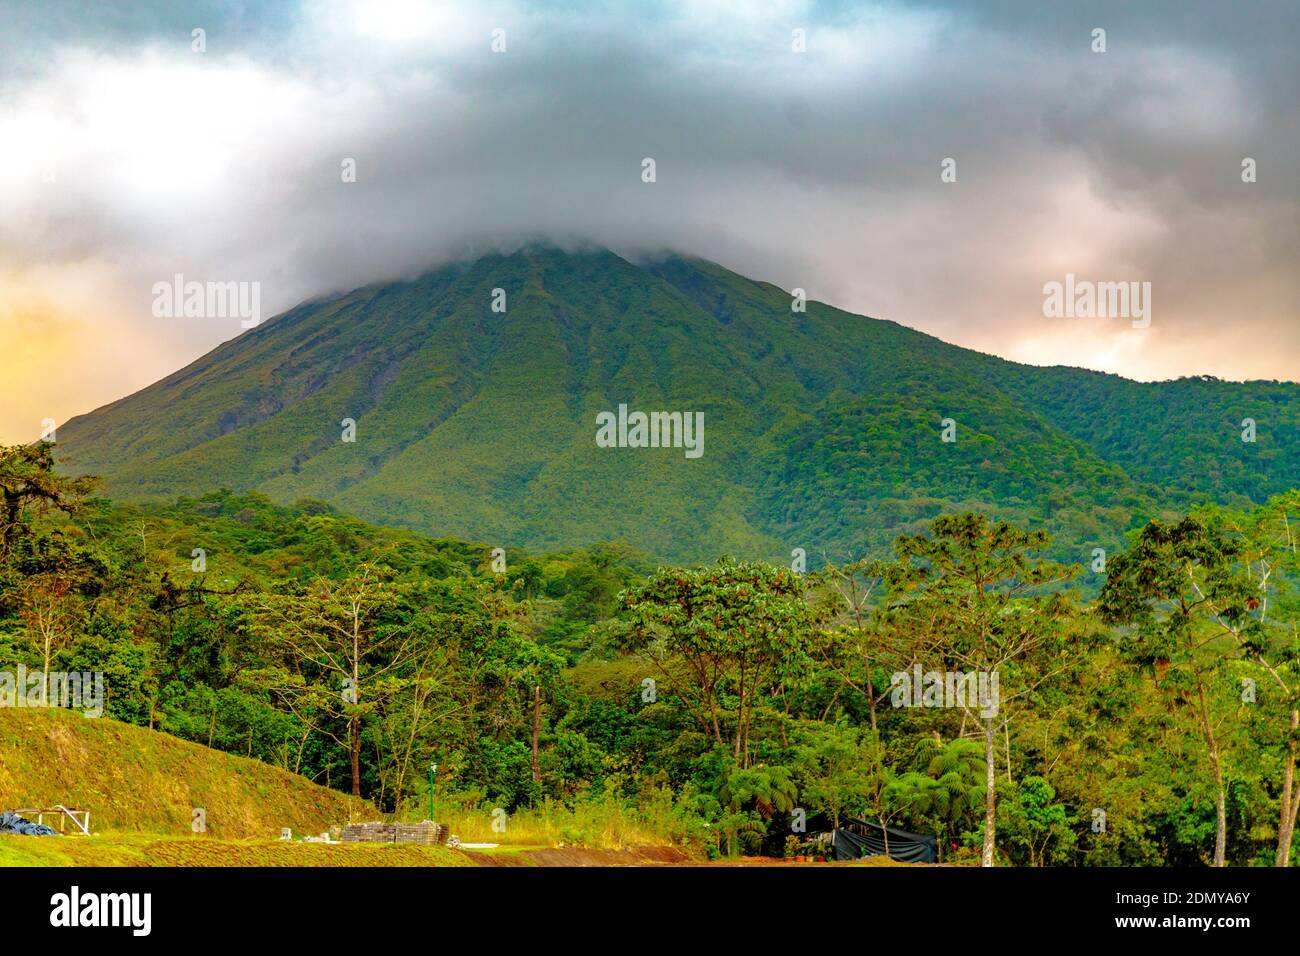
1146,710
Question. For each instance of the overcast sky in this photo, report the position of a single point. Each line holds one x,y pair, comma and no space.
128,157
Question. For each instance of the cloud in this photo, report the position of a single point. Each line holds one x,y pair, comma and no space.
818,170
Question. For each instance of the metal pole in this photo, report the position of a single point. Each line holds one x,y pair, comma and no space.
433,769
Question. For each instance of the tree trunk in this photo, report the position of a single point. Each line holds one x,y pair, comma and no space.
355,724
990,795
1220,826
537,729
871,692
1286,816
45,675
1295,808
740,715
13,505
1220,810
355,728
1006,730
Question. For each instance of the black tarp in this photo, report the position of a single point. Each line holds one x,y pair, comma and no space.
858,838
13,823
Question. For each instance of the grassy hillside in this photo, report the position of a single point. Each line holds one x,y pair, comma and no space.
134,779
822,429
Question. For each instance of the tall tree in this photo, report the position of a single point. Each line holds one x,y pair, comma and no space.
339,631
856,644
51,609
1184,591
1273,566
1242,583
976,597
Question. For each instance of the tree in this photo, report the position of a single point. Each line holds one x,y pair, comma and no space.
28,481
1171,586
752,796
50,608
1268,634
463,693
339,630
528,579
50,579
1036,820
950,791
856,643
973,596
1197,594
728,635
831,758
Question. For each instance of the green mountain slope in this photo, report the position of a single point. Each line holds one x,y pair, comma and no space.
1184,436
822,429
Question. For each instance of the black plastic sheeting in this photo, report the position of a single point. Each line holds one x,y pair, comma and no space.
858,838
13,823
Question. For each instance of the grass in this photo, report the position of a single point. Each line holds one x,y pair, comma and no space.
138,849
136,780
594,820
584,825
141,787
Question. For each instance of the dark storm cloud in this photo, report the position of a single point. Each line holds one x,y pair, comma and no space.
818,170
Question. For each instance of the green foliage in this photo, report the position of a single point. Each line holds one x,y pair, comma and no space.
947,798
1033,823
726,635
598,702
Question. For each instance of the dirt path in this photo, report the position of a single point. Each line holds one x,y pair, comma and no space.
579,856
634,856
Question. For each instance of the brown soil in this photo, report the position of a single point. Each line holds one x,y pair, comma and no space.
579,856
641,856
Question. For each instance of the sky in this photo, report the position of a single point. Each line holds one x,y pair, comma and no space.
129,155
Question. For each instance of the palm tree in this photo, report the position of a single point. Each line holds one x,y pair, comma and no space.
768,789
950,791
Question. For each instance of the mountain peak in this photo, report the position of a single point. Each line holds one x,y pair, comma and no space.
473,395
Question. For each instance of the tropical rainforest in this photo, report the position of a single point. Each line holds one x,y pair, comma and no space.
1147,712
